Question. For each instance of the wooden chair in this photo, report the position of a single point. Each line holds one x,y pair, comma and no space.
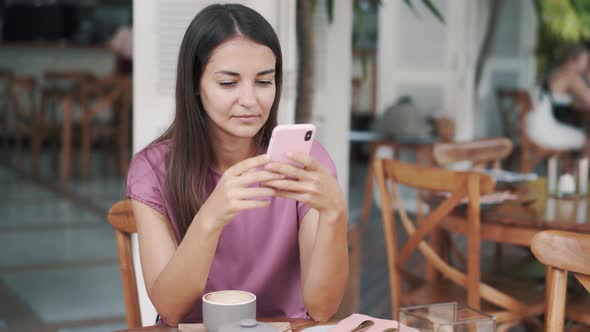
120,216
455,285
21,103
563,252
111,93
59,101
479,152
513,106
482,154
5,88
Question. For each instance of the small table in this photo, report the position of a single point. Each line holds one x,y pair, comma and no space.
296,324
516,222
422,146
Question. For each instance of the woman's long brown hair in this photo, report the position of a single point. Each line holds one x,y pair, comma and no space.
191,152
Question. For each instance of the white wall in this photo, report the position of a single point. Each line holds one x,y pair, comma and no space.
417,56
331,104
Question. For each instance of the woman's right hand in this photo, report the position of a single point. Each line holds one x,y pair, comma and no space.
234,191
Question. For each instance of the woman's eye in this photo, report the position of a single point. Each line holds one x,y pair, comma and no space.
227,84
264,82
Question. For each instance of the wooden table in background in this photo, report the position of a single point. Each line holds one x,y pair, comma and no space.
516,222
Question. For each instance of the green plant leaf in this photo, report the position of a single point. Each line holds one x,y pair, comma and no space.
412,8
434,10
330,10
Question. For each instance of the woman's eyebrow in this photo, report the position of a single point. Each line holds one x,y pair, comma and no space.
233,73
227,72
264,72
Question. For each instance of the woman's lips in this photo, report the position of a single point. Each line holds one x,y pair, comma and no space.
246,118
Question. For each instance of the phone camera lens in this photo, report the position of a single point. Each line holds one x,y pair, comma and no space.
308,135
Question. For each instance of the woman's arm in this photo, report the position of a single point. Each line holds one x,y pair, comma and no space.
175,275
580,91
323,247
323,243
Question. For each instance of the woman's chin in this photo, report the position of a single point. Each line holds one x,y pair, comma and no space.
245,132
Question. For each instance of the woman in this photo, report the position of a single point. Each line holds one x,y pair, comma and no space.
568,90
212,212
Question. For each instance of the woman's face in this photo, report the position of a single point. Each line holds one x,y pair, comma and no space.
238,88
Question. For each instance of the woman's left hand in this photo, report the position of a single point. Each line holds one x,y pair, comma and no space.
313,184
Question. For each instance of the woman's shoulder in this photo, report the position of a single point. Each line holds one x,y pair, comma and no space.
157,150
152,157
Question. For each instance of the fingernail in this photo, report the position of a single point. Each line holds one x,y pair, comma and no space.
267,157
268,166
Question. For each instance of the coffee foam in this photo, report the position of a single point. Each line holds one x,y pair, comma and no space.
229,297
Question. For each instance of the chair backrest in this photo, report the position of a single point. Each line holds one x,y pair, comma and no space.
460,185
21,96
120,216
5,89
479,152
561,252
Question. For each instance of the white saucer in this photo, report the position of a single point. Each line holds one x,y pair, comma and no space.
321,328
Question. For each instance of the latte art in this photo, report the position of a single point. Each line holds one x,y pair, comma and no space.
229,297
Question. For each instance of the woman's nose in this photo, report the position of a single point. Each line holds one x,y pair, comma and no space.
247,96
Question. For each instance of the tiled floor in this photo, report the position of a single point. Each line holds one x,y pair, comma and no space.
58,261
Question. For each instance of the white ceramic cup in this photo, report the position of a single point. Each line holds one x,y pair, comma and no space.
227,307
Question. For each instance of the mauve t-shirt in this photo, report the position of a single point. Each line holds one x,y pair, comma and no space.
258,251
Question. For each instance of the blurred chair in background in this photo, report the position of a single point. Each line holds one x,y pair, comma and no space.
5,88
59,100
84,108
111,94
21,110
479,154
507,300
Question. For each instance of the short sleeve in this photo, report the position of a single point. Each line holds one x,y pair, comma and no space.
143,185
319,153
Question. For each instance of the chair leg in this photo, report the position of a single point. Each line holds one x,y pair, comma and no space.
18,151
85,145
556,297
66,139
36,140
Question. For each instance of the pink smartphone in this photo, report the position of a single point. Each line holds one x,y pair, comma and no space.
290,138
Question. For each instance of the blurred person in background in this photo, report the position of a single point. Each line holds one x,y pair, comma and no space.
567,87
122,45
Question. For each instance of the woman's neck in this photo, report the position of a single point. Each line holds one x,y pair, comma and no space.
230,151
